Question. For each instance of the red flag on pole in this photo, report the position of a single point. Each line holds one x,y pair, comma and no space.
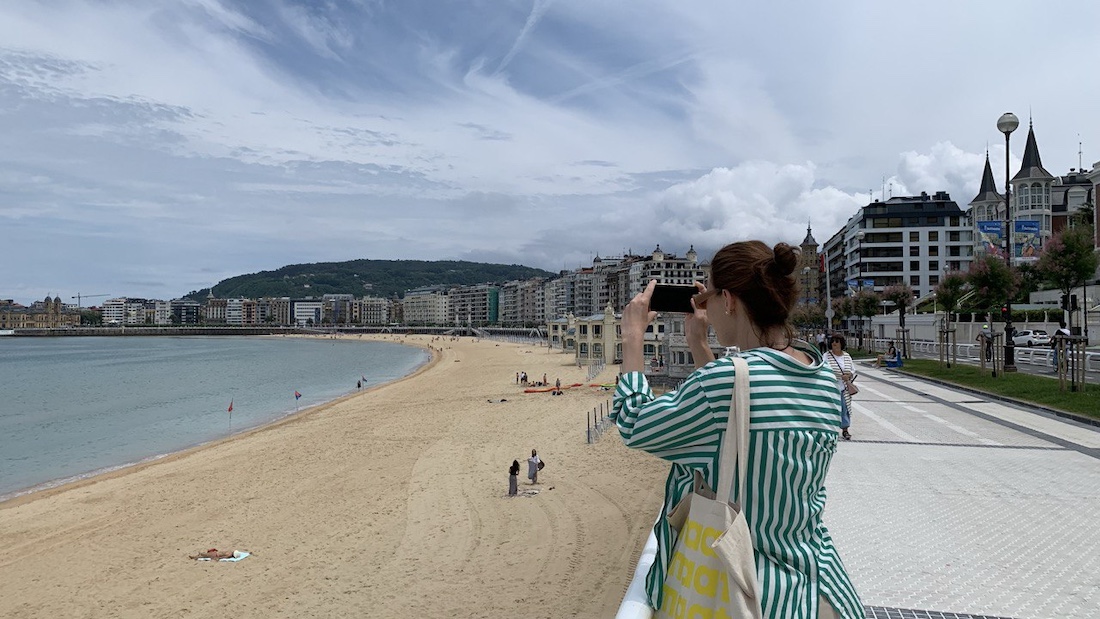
231,406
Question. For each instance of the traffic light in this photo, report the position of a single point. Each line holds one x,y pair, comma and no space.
1065,302
1073,303
1004,313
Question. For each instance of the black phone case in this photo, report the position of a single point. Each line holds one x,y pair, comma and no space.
668,298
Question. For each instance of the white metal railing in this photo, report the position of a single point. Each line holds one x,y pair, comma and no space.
635,604
1043,356
594,369
598,421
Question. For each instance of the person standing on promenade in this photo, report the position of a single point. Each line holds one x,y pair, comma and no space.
794,416
533,467
1059,333
844,369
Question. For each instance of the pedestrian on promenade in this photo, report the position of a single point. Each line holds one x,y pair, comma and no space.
794,414
1059,333
844,369
985,338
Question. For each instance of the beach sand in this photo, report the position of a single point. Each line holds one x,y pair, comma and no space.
387,503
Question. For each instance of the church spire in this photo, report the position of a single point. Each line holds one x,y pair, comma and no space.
988,190
1032,165
809,240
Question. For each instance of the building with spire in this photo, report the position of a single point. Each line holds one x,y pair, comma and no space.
809,270
987,206
1031,202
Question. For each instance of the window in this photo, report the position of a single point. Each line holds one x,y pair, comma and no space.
914,265
584,329
933,265
584,349
914,237
1023,197
954,222
914,251
933,235
953,236
914,280
934,250
933,280
597,350
596,330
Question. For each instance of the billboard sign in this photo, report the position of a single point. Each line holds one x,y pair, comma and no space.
989,235
1027,242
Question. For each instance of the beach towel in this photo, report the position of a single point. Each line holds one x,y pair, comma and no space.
237,556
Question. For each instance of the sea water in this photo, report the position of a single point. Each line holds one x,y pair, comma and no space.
75,406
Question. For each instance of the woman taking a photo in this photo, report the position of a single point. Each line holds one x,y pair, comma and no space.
794,417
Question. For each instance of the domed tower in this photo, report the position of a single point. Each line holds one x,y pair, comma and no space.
1031,198
658,255
808,273
692,256
988,205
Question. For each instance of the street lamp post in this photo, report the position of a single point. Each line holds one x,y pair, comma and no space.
806,286
859,283
1006,124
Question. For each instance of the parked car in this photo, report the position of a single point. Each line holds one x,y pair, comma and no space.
1031,338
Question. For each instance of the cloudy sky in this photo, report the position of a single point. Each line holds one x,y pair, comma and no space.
154,148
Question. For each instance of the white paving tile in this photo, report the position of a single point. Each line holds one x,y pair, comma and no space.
952,512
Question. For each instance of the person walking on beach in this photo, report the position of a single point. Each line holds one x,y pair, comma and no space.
794,414
533,467
513,478
844,369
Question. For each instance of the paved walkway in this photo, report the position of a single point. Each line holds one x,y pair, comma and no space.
958,505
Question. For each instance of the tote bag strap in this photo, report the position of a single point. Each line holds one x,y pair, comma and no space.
735,446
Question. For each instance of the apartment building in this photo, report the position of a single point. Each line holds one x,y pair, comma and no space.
910,240
370,311
477,305
425,306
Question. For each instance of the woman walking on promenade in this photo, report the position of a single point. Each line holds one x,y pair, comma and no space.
844,369
794,416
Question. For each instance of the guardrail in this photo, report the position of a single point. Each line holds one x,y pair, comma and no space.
597,421
635,604
1043,356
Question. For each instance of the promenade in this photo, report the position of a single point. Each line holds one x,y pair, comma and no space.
951,504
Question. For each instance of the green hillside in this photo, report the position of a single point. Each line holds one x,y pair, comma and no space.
379,278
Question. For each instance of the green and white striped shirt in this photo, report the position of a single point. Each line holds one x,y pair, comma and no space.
794,422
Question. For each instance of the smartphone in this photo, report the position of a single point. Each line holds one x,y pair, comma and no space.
667,298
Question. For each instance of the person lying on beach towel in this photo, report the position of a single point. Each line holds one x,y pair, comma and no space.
220,555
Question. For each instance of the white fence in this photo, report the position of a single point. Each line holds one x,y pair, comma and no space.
1043,356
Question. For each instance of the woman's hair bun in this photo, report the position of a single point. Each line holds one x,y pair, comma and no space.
786,258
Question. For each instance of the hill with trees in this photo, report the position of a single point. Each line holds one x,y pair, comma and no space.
378,278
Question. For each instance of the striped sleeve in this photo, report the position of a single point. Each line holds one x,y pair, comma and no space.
679,425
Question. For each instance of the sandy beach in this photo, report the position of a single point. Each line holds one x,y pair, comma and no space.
387,503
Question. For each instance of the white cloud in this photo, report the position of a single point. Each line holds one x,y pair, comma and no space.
214,137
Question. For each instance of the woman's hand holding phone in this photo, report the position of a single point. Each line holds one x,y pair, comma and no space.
636,318
697,331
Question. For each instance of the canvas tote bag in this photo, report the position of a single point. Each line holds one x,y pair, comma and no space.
713,570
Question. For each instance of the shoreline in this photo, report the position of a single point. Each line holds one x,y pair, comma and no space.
91,477
393,503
